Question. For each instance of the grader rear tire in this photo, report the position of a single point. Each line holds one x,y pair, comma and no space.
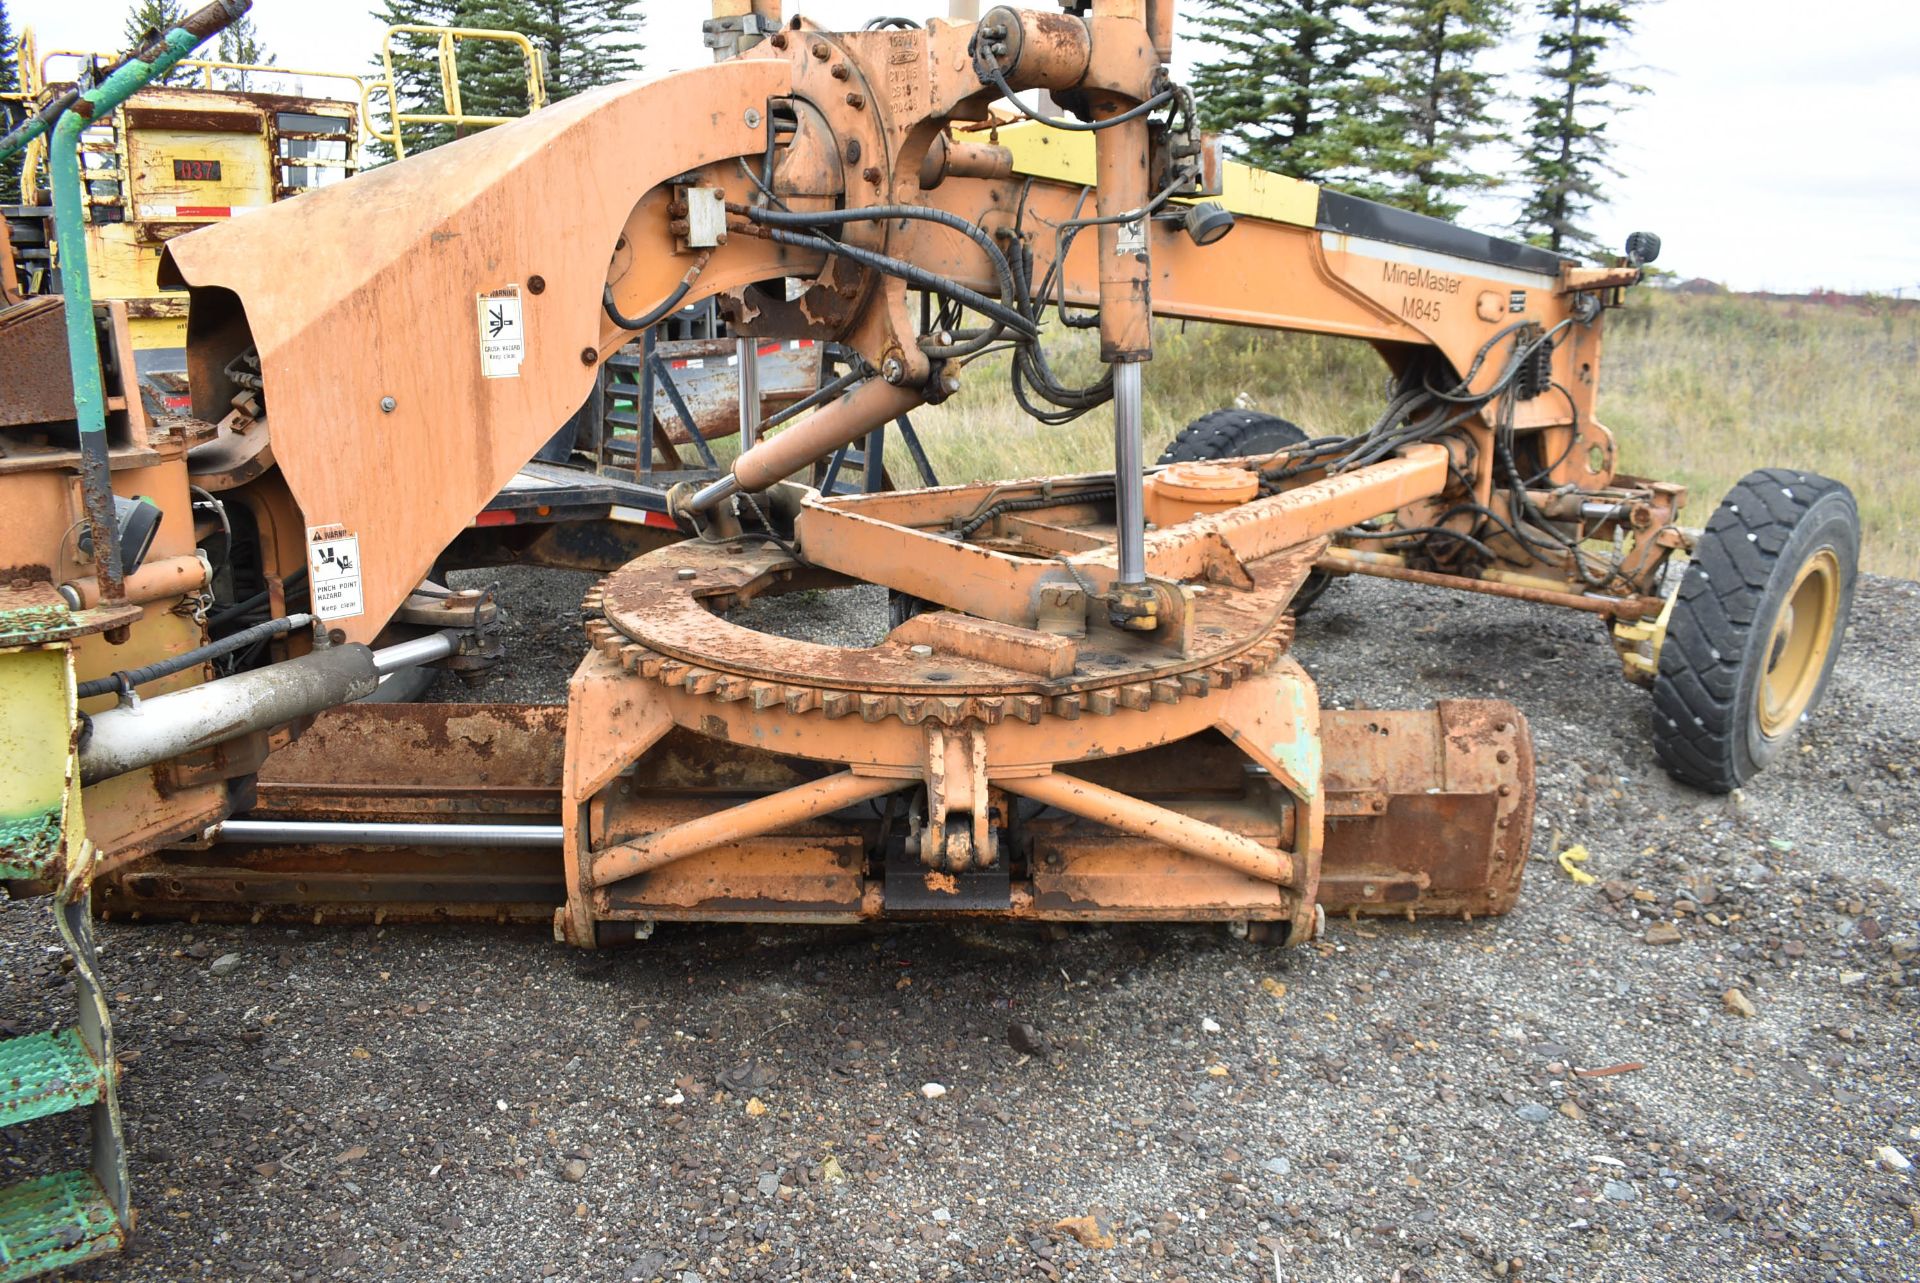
1231,434
1757,626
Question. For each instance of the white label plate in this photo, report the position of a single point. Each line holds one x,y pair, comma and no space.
333,572
503,333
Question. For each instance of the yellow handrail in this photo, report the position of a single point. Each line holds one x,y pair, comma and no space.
447,56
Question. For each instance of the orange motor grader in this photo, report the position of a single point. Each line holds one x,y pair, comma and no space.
1087,707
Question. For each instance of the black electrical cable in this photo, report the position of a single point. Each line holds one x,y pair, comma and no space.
991,70
259,599
991,511
646,320
909,272
133,677
883,213
1397,531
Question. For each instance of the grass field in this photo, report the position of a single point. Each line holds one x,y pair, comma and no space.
1698,390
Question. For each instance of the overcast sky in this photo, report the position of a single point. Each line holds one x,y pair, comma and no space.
1779,149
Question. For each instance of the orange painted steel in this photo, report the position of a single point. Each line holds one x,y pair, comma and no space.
413,246
1117,810
873,404
763,815
460,314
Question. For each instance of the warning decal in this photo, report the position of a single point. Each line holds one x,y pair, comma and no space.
333,572
503,333
1132,238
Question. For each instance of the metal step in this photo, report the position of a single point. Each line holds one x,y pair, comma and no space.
45,1074
52,1222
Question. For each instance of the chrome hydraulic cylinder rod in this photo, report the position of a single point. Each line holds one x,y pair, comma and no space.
378,833
747,357
1129,486
412,654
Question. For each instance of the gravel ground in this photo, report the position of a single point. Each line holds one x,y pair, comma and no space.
1400,1102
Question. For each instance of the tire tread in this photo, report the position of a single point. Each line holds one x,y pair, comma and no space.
1699,727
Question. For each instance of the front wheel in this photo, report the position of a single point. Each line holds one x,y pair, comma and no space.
1756,627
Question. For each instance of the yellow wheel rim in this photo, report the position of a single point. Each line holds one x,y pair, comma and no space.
1797,649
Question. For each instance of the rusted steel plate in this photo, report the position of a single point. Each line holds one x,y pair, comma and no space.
366,757
706,373
38,387
1429,811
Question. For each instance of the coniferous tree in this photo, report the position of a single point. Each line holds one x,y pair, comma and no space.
156,16
1293,84
10,113
585,42
1563,155
240,43
1436,99
416,73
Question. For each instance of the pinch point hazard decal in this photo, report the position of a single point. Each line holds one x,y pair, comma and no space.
333,572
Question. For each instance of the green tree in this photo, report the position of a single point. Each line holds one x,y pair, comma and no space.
1293,84
585,42
156,17
239,42
11,113
1564,152
1436,100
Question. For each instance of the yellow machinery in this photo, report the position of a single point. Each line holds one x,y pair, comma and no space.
236,138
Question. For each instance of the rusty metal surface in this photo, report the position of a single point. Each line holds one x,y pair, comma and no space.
38,387
1429,812
1347,561
704,770
709,384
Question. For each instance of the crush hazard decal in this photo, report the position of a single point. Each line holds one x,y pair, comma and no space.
503,333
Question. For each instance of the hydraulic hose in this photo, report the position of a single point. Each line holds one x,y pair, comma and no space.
128,679
666,307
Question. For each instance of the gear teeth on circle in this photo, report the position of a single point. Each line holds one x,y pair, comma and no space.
949,710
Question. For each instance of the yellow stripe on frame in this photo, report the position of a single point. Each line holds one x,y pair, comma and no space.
1067,156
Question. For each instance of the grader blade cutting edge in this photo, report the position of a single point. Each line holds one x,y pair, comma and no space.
1428,811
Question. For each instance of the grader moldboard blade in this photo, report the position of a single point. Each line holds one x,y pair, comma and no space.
967,764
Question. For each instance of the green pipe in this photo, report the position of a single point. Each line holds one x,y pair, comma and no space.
83,348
